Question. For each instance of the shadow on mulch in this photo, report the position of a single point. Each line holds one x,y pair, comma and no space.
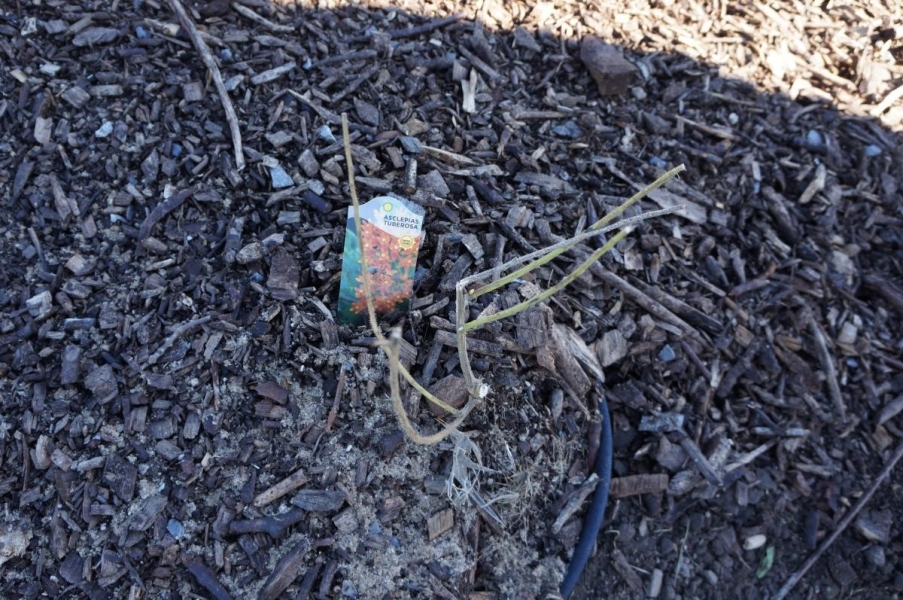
176,397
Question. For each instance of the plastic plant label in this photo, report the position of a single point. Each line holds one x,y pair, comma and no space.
391,238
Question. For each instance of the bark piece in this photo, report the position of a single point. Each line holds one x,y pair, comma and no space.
163,209
72,568
40,305
250,253
388,509
120,475
102,383
574,503
95,35
150,166
670,456
440,522
346,521
319,500
273,74
207,579
276,527
148,512
632,485
452,390
611,348
14,539
273,391
41,455
626,571
286,486
69,372
549,185
284,276
287,569
525,39
875,525
75,97
474,345
434,182
613,73
367,112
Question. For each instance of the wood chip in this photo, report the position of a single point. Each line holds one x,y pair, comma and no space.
612,73
619,561
452,390
319,500
280,489
273,74
285,572
633,485
284,275
440,522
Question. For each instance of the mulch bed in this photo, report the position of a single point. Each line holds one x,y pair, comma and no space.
182,416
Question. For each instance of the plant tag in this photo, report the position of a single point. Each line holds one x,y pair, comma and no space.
391,238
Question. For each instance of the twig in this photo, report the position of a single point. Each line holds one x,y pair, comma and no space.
693,316
844,523
646,302
827,363
698,458
163,209
356,82
425,28
37,244
480,64
544,255
696,360
276,527
171,30
576,501
176,334
892,293
280,489
266,23
680,554
888,101
210,62
339,390
392,350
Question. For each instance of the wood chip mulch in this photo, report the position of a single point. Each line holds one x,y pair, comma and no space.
181,415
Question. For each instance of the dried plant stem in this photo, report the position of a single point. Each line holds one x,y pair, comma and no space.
597,228
569,279
463,294
544,255
392,349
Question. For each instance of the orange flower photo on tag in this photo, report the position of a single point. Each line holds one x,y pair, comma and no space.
390,235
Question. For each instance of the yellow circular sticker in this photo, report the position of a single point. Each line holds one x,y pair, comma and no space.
387,207
406,242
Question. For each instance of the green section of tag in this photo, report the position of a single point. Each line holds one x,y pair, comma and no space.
391,234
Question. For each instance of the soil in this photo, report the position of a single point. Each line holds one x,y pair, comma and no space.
182,416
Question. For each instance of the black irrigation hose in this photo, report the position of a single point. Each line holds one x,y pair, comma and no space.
596,513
